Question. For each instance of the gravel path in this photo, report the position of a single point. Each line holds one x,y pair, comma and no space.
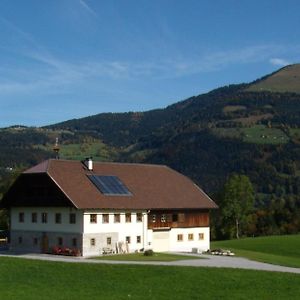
208,261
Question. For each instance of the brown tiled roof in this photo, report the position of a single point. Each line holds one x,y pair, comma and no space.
152,186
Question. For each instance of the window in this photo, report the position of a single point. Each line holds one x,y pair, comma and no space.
163,218
44,217
60,241
153,218
128,239
139,217
175,218
74,242
128,217
108,240
93,218
21,217
34,217
190,237
20,240
201,236
58,218
35,241
138,239
179,237
117,218
72,218
105,218
93,242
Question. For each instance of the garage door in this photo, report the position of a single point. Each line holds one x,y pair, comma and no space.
160,241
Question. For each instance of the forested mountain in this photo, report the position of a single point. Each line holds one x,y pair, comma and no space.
251,129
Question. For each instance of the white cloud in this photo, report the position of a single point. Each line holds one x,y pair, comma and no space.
279,62
87,8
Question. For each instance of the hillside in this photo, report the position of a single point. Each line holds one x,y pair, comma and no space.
206,137
286,79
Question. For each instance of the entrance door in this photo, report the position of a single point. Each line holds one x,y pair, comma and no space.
45,244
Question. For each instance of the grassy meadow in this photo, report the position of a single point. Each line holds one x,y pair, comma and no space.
30,279
280,250
141,257
257,134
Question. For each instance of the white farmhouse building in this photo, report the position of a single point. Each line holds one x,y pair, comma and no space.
106,207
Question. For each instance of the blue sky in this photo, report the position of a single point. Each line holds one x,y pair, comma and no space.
64,59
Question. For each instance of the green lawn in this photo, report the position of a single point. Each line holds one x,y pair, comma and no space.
281,250
258,134
142,257
29,279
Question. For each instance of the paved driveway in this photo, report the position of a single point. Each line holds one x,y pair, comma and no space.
207,261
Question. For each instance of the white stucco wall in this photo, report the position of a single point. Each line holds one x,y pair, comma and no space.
50,226
161,241
122,230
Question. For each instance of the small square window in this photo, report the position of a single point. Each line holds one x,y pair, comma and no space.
44,217
153,218
138,239
128,239
34,217
139,217
21,217
108,240
201,236
179,237
128,217
105,218
93,242
72,218
93,218
190,237
58,218
117,218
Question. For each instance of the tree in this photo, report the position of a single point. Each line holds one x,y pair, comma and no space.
237,203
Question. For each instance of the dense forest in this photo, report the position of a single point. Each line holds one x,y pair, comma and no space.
230,130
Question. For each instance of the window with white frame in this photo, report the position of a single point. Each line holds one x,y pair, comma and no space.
117,218
139,217
105,218
21,217
93,218
128,217
44,217
179,237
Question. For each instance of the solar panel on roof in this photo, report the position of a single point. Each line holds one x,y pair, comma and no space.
109,185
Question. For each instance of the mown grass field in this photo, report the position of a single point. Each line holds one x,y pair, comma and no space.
281,250
257,134
29,279
142,257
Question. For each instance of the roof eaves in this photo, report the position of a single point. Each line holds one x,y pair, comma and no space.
62,190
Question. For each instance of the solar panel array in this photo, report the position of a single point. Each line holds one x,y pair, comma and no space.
109,185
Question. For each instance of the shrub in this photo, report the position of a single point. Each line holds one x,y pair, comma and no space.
148,252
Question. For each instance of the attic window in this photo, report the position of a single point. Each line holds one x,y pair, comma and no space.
109,185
